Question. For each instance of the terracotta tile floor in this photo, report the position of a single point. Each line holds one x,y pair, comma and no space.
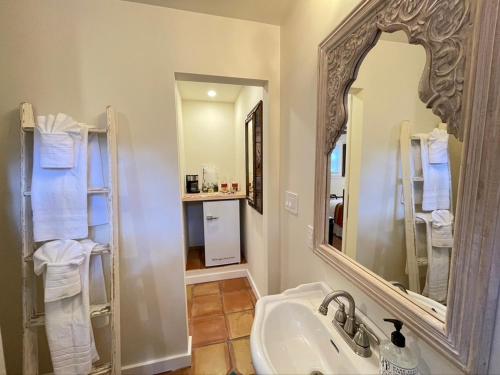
220,320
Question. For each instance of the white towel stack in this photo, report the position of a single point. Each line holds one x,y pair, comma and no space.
59,195
436,198
65,264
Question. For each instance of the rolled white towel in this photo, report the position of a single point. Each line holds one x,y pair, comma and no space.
438,146
442,228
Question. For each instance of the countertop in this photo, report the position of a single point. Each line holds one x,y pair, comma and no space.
202,197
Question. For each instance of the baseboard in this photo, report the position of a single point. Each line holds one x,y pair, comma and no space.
253,285
214,274
160,365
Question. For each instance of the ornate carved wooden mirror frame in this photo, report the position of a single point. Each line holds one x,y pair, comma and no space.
461,84
255,194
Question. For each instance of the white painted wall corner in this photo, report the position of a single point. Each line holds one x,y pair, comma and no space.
253,285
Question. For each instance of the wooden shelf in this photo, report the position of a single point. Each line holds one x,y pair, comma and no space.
203,197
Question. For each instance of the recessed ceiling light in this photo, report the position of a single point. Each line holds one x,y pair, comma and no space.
212,93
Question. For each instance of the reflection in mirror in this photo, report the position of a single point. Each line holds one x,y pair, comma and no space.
393,177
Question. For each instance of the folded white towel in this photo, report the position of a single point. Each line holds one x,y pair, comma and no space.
56,150
59,195
442,228
438,146
436,188
57,146
97,203
67,309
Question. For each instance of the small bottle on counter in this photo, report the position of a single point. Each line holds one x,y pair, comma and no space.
235,187
395,358
224,187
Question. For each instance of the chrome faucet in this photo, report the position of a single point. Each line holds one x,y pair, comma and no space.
347,322
355,333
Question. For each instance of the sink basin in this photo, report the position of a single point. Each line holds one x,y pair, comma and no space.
289,336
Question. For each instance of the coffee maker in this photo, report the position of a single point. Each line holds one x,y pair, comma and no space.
192,184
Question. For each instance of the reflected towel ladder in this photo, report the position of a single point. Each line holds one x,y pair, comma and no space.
32,318
414,263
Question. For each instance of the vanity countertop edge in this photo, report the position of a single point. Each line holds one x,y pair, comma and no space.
202,197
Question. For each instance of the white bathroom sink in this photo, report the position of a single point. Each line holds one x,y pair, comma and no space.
290,336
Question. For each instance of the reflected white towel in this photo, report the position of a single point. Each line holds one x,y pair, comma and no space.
67,309
436,285
436,189
59,195
438,146
438,268
97,203
442,228
97,288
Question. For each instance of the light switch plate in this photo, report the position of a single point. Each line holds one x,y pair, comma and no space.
292,202
309,237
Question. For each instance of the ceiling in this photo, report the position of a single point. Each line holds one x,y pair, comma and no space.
199,91
266,11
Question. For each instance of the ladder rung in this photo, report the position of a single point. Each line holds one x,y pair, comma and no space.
89,191
422,261
420,220
97,250
101,370
92,129
38,319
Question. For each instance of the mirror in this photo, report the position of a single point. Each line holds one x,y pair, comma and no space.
393,177
386,189
254,155
250,186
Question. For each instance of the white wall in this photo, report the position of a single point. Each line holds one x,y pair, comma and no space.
78,57
301,34
387,85
254,240
209,138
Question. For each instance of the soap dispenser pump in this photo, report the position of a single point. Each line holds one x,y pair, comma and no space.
395,357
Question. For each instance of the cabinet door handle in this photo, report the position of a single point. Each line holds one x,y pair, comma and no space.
210,217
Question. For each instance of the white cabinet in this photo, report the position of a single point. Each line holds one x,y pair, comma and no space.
221,223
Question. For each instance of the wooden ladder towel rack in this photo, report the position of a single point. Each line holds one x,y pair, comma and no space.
413,177
33,318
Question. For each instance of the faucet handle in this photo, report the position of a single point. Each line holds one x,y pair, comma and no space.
361,337
340,315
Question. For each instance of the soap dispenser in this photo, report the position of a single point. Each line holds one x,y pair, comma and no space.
395,358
